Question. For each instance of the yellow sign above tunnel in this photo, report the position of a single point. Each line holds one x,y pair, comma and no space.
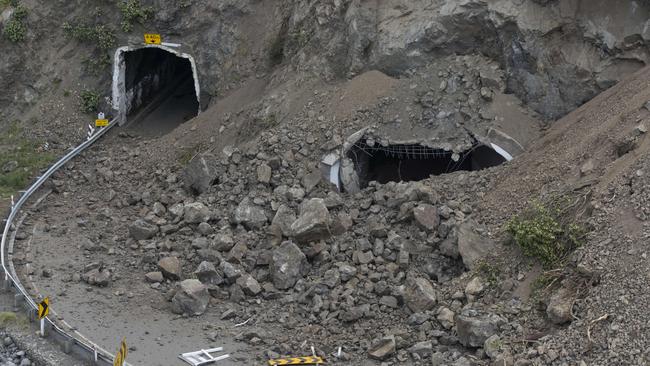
152,38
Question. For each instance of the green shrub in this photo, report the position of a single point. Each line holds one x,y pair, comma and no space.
133,11
489,271
8,3
543,232
97,64
101,35
89,101
15,29
184,3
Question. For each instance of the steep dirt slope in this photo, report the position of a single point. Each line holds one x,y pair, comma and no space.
609,325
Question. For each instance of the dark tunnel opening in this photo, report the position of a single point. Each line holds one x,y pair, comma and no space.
404,163
160,91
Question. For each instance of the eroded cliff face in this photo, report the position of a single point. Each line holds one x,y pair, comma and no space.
556,54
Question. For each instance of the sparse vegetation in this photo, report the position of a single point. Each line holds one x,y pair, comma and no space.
96,65
488,271
101,35
6,3
184,3
269,120
546,232
133,11
20,159
15,29
187,154
89,101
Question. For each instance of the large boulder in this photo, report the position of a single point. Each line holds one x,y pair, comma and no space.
383,348
426,216
170,268
471,246
313,222
249,285
207,273
474,327
419,295
250,215
195,213
97,277
288,264
192,298
283,219
201,173
142,230
560,305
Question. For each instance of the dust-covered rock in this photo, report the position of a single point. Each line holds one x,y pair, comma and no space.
201,173
313,222
142,230
192,298
471,246
196,212
426,216
250,215
474,327
288,264
170,268
560,306
383,348
419,295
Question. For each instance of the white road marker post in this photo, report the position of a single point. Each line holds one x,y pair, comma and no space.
43,327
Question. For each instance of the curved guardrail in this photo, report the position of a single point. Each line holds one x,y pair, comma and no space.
73,342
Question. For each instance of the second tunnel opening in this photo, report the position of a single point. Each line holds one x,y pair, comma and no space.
160,91
413,162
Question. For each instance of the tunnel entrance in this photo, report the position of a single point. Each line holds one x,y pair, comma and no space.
404,163
155,89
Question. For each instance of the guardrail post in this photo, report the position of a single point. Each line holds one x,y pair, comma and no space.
95,356
67,345
32,315
6,284
18,300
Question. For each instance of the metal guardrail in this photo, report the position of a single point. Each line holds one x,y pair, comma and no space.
73,342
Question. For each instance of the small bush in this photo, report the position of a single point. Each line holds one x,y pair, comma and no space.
97,64
15,29
101,35
544,233
489,271
133,11
184,3
89,101
7,3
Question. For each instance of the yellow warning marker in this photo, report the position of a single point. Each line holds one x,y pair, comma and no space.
43,311
101,122
152,38
309,360
43,308
120,356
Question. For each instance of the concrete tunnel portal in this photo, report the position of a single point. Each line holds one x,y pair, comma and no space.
366,158
155,89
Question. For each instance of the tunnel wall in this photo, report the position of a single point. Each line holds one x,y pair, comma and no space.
126,97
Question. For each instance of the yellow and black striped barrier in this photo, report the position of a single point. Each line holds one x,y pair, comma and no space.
309,360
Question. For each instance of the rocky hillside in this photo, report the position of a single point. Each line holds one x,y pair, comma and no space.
226,229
